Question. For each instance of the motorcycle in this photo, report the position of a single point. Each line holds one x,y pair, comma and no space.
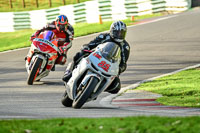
41,56
93,75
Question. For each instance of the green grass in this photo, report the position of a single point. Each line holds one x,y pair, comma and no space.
14,40
20,39
181,89
31,4
140,124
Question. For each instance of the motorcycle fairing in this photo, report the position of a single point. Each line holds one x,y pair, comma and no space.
44,49
87,65
45,45
113,67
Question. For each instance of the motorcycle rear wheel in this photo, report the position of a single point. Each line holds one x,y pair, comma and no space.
34,71
86,92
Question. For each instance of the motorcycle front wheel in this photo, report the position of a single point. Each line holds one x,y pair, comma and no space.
85,93
34,71
66,101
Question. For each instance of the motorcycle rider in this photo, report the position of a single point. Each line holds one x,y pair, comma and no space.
64,33
117,34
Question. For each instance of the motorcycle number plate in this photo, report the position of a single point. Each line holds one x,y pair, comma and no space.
104,66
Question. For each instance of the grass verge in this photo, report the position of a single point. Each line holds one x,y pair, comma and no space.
17,5
180,89
20,39
139,124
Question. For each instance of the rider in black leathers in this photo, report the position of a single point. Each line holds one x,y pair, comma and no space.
117,34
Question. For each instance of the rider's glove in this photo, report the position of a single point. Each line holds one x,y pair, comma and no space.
34,35
85,48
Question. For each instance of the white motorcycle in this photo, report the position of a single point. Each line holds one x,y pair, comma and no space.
92,75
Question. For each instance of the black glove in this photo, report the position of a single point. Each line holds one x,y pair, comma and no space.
85,48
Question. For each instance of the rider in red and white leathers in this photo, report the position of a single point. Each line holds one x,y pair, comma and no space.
64,33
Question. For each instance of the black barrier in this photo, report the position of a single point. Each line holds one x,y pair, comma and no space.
195,3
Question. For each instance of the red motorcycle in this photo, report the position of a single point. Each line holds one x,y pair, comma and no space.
42,56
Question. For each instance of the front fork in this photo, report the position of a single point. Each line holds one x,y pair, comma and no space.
99,88
29,64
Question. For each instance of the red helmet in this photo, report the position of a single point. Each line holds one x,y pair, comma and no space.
61,23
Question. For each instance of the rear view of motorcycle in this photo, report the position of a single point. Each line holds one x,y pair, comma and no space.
41,57
92,75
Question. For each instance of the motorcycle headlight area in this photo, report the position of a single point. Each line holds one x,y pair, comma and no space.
35,49
100,72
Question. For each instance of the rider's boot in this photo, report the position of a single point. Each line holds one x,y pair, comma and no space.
114,87
27,58
68,72
53,68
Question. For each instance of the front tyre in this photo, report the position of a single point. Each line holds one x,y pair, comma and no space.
34,71
66,101
85,93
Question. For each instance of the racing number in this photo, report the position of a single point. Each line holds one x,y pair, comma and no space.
104,65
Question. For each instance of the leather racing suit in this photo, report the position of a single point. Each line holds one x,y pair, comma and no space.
65,39
125,50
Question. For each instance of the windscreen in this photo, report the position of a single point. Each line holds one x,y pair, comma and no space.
48,35
111,51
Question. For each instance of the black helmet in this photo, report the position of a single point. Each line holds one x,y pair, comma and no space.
118,31
61,23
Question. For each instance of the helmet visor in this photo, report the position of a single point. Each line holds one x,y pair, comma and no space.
119,34
61,27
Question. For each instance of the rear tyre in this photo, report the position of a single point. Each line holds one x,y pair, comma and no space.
85,93
66,101
34,71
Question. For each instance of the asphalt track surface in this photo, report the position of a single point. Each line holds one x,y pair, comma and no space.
158,46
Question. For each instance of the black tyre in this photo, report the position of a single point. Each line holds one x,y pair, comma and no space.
86,92
34,71
66,101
